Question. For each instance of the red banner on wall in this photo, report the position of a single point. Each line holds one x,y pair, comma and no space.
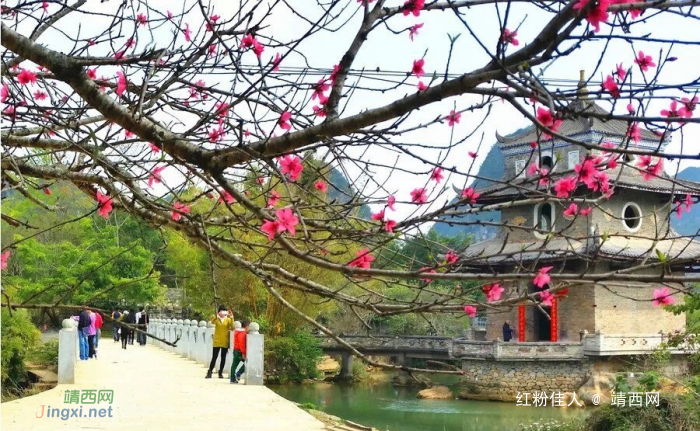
554,323
521,322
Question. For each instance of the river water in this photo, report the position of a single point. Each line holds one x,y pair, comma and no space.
383,406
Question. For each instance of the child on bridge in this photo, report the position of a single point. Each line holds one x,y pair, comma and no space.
239,344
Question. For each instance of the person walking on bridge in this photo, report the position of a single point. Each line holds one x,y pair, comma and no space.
83,324
143,325
129,318
239,351
115,329
98,329
223,324
91,334
132,320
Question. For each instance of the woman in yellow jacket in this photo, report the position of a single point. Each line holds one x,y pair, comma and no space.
223,323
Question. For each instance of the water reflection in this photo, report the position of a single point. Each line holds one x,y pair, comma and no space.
386,407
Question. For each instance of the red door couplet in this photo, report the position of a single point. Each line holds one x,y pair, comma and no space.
521,322
554,323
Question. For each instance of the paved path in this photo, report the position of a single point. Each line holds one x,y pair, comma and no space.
158,390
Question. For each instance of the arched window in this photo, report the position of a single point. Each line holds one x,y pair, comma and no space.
631,217
544,218
547,162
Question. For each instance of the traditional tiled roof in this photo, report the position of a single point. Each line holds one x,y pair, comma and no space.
623,175
579,125
500,251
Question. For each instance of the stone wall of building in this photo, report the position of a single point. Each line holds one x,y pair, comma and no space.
630,310
525,215
610,308
495,319
656,210
502,380
577,312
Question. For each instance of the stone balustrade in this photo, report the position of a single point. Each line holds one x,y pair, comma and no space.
597,344
388,343
516,351
194,342
600,344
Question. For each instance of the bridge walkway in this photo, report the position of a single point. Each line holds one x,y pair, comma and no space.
156,390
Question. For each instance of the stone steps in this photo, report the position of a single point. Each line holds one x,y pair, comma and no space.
44,376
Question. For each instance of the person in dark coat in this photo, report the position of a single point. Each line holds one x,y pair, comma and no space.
127,333
143,325
132,321
507,331
83,327
116,315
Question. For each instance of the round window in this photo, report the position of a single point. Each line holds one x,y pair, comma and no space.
631,217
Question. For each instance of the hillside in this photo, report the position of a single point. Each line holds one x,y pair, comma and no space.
689,223
492,167
341,191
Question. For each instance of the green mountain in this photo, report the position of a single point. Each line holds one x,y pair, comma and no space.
342,191
492,167
689,223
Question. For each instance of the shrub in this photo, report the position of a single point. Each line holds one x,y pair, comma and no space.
675,413
359,370
292,358
309,406
621,384
694,383
45,354
648,381
19,335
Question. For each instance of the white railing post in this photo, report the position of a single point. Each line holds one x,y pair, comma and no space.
169,334
67,355
255,348
185,340
156,331
202,347
208,342
192,345
179,325
173,335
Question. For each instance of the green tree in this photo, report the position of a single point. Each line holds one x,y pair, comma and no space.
87,260
19,335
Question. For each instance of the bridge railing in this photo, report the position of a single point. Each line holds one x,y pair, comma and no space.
388,343
193,340
600,344
499,350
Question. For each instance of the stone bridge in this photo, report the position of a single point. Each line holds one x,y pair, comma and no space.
152,387
403,349
478,358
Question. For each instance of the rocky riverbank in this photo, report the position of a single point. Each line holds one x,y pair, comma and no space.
334,423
